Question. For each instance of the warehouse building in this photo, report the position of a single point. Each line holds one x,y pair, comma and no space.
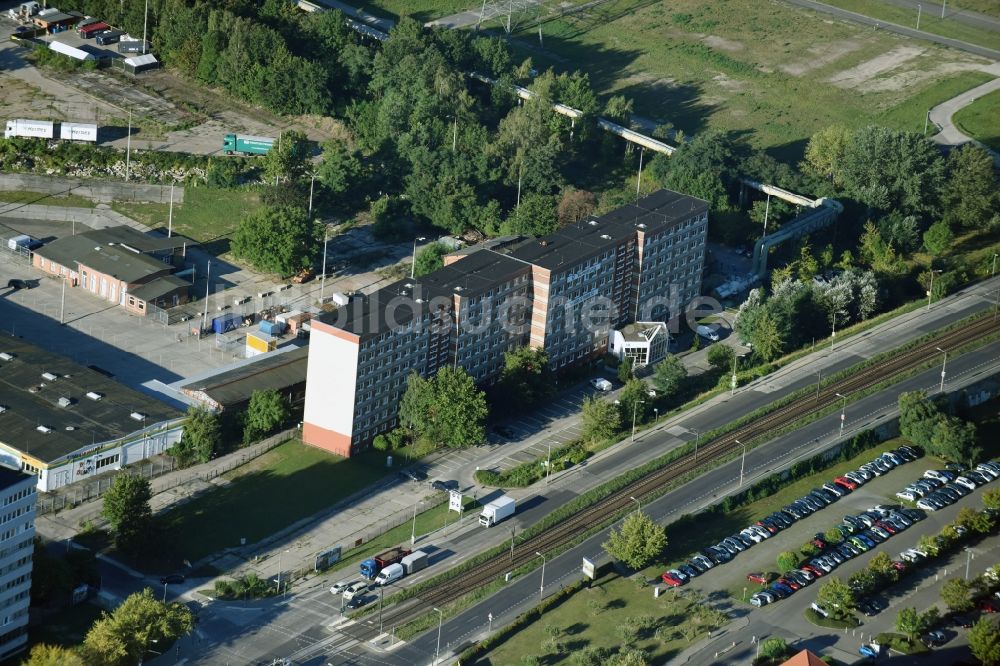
231,389
64,422
120,265
565,293
17,515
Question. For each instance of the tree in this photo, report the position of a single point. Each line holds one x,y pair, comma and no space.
977,521
787,561
275,239
430,258
929,545
575,205
525,380
957,595
917,416
267,410
288,158
938,238
340,170
126,507
637,542
536,216
446,409
767,340
881,565
669,375
970,196
601,419
52,655
701,167
984,641
774,648
201,439
955,440
833,535
721,357
825,152
991,498
634,401
836,596
628,658
625,370
912,623
122,637
619,108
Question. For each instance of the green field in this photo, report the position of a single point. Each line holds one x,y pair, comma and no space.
988,7
207,214
981,119
423,11
286,484
770,72
591,619
929,21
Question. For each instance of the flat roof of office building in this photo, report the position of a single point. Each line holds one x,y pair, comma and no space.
397,304
570,245
32,383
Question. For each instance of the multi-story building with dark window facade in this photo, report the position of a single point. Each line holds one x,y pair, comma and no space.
564,293
17,533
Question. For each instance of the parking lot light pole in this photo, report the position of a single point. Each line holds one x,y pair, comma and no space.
326,240
944,366
843,412
639,507
635,412
930,288
968,561
437,652
165,592
695,431
541,588
413,261
413,527
312,184
743,462
732,384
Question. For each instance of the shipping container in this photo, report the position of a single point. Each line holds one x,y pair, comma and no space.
260,343
132,46
226,323
92,29
275,328
78,132
284,316
38,129
109,37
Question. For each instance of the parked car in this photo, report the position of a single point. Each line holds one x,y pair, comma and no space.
934,638
871,651
819,609
172,579
987,606
689,570
338,588
845,482
671,579
762,599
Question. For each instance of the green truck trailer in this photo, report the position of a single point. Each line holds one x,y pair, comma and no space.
241,144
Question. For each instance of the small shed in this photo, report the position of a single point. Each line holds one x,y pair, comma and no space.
71,51
141,63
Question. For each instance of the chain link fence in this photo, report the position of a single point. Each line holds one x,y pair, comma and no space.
153,469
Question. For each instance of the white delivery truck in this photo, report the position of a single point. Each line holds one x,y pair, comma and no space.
496,511
78,132
414,562
390,574
35,129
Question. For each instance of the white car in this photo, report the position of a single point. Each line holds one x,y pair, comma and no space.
338,588
966,482
601,384
936,475
907,495
990,468
926,506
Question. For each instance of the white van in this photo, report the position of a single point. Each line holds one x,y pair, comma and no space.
390,574
710,332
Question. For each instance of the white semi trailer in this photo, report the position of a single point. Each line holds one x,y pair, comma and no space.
46,129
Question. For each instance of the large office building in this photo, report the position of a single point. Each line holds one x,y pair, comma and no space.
564,293
17,533
64,422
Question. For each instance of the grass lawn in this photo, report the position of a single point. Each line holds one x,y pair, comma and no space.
771,72
591,618
207,214
68,200
988,7
67,627
930,21
981,119
286,484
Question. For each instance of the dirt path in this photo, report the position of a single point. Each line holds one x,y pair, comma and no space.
940,115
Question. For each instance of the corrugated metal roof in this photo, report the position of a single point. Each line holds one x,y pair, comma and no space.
138,61
272,371
71,51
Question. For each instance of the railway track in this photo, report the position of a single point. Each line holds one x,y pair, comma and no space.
708,453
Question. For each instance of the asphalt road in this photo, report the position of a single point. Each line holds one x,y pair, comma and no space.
952,12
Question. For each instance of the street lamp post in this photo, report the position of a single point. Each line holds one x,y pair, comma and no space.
413,527
843,412
413,265
695,431
944,367
930,289
322,278
437,652
635,412
743,461
732,383
164,593
312,183
639,507
656,414
128,144
541,587
968,562
381,592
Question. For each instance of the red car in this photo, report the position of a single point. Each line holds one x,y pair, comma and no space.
769,528
795,585
886,526
671,579
987,606
819,541
846,483
899,566
816,571
757,578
